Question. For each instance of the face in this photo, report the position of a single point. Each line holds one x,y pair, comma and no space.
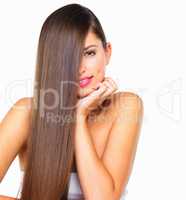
94,60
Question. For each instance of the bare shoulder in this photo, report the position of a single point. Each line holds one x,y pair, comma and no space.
126,102
119,152
24,103
128,98
14,131
18,114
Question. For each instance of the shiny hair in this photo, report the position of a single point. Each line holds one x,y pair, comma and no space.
50,146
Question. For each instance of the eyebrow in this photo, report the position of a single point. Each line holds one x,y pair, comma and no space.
92,45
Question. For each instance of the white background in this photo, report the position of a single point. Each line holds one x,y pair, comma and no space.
148,57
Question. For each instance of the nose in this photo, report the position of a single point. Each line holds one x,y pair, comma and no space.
82,70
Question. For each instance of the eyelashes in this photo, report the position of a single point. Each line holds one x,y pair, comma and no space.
90,53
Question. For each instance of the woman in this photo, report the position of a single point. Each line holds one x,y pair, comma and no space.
76,129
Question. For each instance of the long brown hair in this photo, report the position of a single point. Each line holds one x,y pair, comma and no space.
51,142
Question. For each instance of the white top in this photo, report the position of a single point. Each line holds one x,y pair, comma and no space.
74,192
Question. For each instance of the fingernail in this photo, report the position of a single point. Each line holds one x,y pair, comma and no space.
99,84
97,87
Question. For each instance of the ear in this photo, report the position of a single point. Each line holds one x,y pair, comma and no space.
108,52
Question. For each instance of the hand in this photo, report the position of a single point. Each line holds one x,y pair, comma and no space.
103,91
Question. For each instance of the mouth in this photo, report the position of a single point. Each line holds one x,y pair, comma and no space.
85,81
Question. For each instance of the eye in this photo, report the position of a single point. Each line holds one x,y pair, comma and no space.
90,53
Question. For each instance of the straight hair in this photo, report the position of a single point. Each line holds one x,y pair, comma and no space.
50,146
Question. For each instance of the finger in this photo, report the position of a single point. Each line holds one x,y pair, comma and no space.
99,91
94,96
108,93
107,86
112,82
110,88
108,81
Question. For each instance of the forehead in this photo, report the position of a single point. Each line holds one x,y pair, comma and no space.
92,39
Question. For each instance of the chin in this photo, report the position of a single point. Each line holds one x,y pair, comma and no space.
85,93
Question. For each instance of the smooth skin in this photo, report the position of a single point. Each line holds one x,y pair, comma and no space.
14,131
115,142
6,198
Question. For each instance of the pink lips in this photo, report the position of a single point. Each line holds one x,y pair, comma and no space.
85,81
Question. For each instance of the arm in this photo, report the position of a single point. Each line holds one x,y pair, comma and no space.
120,150
105,178
96,181
6,198
14,129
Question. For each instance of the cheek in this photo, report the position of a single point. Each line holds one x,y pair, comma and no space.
101,72
97,67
